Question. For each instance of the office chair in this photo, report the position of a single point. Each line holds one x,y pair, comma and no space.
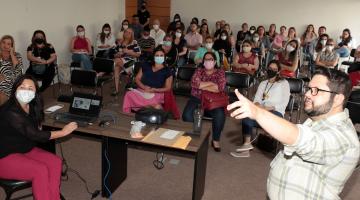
12,186
295,101
237,80
83,79
182,83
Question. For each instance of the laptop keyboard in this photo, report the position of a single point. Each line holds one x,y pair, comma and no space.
80,120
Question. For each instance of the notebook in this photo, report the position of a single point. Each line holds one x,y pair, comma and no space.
84,109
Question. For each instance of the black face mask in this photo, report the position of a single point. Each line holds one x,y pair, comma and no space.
39,41
270,73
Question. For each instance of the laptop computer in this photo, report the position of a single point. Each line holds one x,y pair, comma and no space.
84,109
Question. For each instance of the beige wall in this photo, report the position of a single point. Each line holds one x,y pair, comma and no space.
58,18
334,14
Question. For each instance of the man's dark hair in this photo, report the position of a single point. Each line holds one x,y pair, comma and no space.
338,81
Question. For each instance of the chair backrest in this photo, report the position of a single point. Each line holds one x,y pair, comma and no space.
352,52
237,80
83,78
354,106
103,65
185,73
296,85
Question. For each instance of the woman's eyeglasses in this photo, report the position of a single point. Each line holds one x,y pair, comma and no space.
314,90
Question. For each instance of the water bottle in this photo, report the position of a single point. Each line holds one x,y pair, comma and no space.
197,120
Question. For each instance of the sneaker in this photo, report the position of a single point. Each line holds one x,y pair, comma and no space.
245,147
242,154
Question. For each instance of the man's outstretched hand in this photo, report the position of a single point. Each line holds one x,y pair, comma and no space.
243,107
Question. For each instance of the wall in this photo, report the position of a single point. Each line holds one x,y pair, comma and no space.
58,18
334,14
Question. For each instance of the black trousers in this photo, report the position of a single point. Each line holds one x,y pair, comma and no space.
46,78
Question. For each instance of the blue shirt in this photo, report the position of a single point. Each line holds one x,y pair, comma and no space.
154,79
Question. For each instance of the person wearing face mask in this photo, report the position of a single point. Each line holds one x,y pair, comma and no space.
208,77
242,35
171,52
124,25
180,44
208,47
273,95
80,48
10,66
271,32
42,57
147,45
157,33
328,57
21,130
172,26
223,46
193,39
104,42
152,80
289,59
258,46
246,61
265,39
144,15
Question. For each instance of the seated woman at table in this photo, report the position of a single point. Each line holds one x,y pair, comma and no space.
20,127
42,57
207,78
289,59
10,66
246,61
80,48
153,80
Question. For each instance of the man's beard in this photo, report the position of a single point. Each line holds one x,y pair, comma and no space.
321,109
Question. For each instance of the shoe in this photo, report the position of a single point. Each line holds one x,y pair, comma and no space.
242,154
217,149
245,147
115,93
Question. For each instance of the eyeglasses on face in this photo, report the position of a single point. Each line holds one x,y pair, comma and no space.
315,90
208,59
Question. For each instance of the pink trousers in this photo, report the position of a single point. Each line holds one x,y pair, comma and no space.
133,100
40,167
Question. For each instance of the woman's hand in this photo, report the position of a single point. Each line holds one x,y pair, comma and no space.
70,127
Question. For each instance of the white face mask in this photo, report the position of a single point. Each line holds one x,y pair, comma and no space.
329,47
256,39
25,96
156,27
323,42
208,45
223,37
246,49
252,31
106,32
177,34
289,48
81,33
125,27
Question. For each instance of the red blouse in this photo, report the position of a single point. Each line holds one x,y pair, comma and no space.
200,75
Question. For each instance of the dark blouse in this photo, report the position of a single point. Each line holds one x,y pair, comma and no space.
44,53
19,131
180,46
223,44
154,79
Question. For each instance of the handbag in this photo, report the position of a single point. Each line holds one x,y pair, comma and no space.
212,100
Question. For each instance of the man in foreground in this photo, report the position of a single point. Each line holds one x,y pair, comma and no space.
319,155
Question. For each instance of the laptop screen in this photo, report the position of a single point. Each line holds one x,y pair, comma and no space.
85,104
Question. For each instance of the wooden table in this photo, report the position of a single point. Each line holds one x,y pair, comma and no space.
116,139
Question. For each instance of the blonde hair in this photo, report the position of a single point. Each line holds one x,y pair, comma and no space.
8,37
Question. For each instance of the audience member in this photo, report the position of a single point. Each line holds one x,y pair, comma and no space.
10,66
20,159
280,39
194,20
230,35
273,95
136,27
128,51
204,31
124,25
80,48
328,57
180,44
42,59
147,45
320,45
193,38
172,26
157,33
258,47
144,15
292,35
219,29
271,32
315,163
242,35
345,43
104,42
246,61
208,47
152,80
289,59
171,53
321,30
263,37
223,46
207,78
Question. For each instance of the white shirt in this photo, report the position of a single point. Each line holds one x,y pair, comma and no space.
158,36
108,41
277,95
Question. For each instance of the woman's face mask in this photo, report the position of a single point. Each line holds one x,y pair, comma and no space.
209,64
24,96
159,59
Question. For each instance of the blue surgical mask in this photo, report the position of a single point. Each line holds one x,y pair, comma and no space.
159,59
167,43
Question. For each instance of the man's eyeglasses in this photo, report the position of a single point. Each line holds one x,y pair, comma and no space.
314,90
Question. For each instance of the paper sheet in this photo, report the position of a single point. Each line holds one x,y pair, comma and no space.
169,135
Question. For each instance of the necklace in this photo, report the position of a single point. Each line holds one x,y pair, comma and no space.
265,94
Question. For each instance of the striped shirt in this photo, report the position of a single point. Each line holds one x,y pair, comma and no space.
10,73
318,164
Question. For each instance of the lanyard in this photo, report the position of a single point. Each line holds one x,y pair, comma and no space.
265,94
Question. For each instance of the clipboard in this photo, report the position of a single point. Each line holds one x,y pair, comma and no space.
163,136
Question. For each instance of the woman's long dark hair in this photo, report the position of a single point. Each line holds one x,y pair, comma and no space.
319,46
277,63
33,44
36,109
294,53
102,34
347,40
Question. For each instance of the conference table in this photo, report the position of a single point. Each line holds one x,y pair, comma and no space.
116,139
